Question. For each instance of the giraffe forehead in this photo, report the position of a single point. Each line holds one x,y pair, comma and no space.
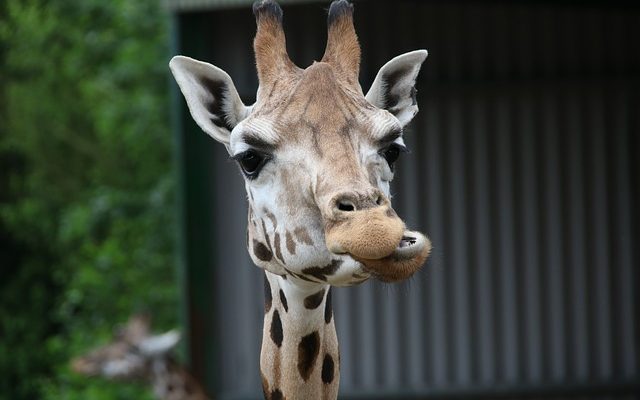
322,104
318,104
304,127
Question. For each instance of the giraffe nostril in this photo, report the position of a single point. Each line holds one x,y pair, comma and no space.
345,205
358,201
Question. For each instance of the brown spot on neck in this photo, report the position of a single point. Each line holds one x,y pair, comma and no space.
268,298
276,395
328,310
276,332
327,369
313,301
308,350
283,300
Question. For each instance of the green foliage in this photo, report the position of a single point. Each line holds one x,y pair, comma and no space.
86,188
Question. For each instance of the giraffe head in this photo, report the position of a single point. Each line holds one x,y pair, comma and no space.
130,354
316,153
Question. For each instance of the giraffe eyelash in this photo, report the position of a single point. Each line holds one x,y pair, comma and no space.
251,162
392,152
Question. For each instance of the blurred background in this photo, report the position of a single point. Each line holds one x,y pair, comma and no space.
523,170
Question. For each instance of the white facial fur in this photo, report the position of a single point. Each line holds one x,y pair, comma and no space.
286,228
283,198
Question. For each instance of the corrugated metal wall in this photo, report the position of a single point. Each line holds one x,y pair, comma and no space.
525,190
523,171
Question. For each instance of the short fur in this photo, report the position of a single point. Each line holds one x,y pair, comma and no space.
343,49
319,207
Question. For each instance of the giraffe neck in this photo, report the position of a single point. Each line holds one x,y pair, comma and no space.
299,357
171,381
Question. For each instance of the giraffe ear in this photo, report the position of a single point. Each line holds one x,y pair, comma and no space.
159,344
211,96
394,88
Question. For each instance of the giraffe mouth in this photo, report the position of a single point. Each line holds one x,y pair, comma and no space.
396,264
407,258
378,239
410,245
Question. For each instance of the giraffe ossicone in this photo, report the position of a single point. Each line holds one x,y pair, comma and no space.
318,157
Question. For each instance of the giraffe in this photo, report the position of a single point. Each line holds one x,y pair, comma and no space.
317,156
135,354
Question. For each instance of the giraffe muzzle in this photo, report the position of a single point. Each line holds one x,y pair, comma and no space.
406,259
378,239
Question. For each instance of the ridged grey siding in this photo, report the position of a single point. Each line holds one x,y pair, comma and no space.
524,172
526,193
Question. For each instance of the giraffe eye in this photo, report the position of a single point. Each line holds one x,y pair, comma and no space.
251,162
391,153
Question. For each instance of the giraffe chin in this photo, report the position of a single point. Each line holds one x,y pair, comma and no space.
410,254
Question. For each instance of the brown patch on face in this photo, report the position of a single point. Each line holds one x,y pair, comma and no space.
251,225
302,236
291,245
322,272
266,235
299,276
308,350
272,218
261,251
276,246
